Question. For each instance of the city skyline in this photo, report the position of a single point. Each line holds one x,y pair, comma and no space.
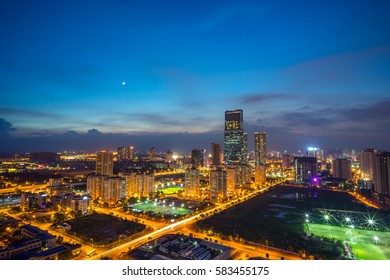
97,75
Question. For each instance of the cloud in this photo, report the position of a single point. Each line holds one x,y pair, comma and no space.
28,113
5,128
94,132
361,70
254,98
378,111
70,133
304,119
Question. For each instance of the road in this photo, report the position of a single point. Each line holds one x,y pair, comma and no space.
24,189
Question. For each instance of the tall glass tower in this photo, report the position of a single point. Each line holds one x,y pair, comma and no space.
235,150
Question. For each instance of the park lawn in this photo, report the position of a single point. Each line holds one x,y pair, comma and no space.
367,251
146,207
360,240
173,190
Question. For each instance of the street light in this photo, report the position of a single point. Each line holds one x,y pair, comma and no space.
326,217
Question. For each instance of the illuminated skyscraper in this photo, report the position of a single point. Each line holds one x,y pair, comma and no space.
260,149
260,158
234,137
105,163
245,148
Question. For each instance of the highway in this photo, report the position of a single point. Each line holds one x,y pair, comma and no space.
21,188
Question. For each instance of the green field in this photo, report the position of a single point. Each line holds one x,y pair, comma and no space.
160,209
361,241
173,190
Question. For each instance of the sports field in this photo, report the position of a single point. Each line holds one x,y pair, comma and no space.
158,208
173,190
365,244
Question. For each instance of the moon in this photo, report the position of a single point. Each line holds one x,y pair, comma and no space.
123,83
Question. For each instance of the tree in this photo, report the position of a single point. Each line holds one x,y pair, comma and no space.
60,239
58,217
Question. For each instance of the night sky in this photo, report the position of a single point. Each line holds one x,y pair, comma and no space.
88,75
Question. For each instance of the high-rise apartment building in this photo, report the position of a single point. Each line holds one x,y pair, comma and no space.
367,163
168,156
260,158
192,183
260,175
260,149
114,189
243,174
382,173
42,200
231,180
152,153
197,158
126,153
95,185
342,168
218,186
215,154
26,201
105,163
245,148
109,189
234,137
286,161
305,169
145,184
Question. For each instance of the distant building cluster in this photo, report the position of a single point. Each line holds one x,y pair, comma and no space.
110,189
62,200
229,170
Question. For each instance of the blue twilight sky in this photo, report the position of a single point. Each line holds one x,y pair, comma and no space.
86,75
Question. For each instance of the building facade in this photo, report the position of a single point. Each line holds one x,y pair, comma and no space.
218,186
192,182
104,163
234,137
305,169
342,168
